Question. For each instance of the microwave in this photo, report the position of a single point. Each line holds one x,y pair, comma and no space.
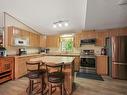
88,41
21,41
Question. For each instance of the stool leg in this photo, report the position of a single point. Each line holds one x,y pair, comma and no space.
30,87
42,88
50,89
63,89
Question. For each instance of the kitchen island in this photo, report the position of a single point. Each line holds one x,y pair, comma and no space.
68,68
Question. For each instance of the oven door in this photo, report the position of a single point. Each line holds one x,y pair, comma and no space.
88,62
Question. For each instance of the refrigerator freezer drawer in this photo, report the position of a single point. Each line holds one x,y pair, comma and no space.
119,71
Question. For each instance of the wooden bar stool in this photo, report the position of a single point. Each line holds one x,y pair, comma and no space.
36,77
55,77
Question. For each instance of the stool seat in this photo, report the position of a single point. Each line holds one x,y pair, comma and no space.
56,77
36,74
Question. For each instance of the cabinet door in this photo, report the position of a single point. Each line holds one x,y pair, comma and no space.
89,34
122,32
76,63
43,41
100,39
113,32
53,41
102,65
7,64
77,41
16,32
20,66
25,33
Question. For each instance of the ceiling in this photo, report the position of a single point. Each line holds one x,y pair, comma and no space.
105,14
81,14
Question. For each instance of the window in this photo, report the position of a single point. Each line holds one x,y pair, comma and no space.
67,43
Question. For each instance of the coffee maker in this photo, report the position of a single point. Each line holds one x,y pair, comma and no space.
22,51
44,50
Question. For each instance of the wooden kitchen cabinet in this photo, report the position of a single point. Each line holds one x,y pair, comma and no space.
101,36
16,32
89,34
77,40
6,69
20,65
53,41
77,64
34,40
102,65
122,32
113,32
100,40
43,41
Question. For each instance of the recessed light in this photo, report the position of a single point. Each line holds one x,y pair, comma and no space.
54,25
59,24
66,24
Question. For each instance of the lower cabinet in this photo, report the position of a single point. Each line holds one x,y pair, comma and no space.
76,64
102,65
6,69
20,65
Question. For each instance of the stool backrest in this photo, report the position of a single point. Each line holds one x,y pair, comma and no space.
33,65
51,67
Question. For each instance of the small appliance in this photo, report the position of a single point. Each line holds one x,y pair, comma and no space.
22,51
88,41
44,50
21,41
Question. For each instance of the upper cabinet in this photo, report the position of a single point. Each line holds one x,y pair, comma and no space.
53,41
34,40
83,35
76,41
42,41
101,35
14,32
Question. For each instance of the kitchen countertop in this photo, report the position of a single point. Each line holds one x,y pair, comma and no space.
54,59
48,54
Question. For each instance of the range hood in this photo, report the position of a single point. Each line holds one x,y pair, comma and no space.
88,41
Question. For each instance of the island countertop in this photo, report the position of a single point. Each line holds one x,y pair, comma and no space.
54,59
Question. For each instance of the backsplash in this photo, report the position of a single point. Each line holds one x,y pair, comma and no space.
97,49
15,50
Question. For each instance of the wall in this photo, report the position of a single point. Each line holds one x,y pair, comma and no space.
12,21
1,19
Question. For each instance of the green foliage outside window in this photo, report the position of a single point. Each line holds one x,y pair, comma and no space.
69,45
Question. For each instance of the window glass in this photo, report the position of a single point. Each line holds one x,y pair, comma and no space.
67,43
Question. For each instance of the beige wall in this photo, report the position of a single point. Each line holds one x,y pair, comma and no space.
11,21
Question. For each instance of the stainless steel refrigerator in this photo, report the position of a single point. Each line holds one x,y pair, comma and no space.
116,48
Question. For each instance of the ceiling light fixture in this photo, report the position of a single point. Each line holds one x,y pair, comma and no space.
54,25
60,24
